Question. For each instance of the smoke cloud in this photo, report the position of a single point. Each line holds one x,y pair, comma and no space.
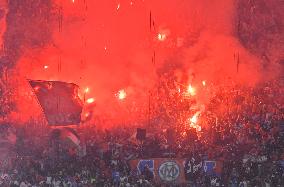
107,46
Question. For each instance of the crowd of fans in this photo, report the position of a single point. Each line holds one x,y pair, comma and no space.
242,127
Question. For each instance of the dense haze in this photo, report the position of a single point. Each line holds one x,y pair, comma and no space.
111,45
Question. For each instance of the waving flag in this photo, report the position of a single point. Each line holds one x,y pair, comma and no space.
59,101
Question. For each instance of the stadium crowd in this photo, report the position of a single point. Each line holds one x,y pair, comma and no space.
242,127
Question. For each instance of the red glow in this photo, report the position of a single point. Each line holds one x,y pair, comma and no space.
109,45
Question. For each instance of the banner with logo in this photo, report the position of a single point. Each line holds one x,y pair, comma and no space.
164,170
176,170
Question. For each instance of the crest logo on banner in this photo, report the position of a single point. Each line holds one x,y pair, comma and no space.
143,163
176,170
169,171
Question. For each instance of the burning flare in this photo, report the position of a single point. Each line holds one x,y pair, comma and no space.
193,122
90,100
87,90
161,37
121,94
194,119
191,90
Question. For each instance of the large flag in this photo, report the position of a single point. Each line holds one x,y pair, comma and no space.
59,101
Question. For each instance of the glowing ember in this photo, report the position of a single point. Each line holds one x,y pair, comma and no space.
90,100
45,67
87,90
87,114
118,6
121,94
162,37
36,88
191,90
73,1
204,83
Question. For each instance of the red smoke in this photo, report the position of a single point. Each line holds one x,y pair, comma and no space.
110,46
